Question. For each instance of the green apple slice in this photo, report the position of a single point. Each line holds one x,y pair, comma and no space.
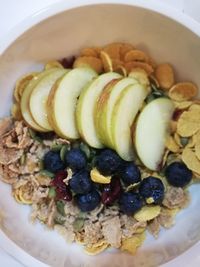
85,111
105,106
39,96
124,112
151,131
62,101
24,104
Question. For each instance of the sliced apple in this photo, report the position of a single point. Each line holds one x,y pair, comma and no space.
86,108
105,106
125,110
24,104
62,101
39,96
151,131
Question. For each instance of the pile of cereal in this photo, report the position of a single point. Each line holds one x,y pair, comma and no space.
94,196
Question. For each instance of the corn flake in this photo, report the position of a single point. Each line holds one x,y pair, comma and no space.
136,55
107,61
124,49
136,64
131,244
96,249
188,123
171,144
113,50
89,52
140,75
21,84
191,160
183,104
164,73
183,91
16,112
92,62
147,213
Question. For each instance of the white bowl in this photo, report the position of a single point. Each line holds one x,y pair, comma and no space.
62,30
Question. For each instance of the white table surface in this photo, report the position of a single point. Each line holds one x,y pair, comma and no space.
14,11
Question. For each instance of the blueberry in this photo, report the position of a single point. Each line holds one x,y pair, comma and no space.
178,174
130,202
80,182
89,201
108,162
130,173
53,162
76,159
152,190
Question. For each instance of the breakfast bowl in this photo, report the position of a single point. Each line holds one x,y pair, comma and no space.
61,31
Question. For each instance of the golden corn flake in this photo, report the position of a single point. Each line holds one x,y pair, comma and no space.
140,75
99,178
125,47
164,73
89,52
22,197
183,104
136,64
96,249
21,84
191,160
107,61
80,238
131,244
183,91
113,50
171,144
136,55
92,62
53,64
197,144
188,123
194,106
16,112
147,213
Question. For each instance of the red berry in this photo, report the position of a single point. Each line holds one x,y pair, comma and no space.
62,190
177,113
111,192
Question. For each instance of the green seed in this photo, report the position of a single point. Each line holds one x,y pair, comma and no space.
47,173
60,207
34,136
78,224
184,141
63,151
85,148
59,220
23,159
52,192
56,147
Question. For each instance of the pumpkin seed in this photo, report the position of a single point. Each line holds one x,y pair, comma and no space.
60,207
47,173
85,148
52,192
78,224
63,151
56,147
184,141
22,159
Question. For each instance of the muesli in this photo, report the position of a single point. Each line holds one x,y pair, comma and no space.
103,146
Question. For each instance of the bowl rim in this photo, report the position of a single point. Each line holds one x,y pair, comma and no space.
62,5
189,257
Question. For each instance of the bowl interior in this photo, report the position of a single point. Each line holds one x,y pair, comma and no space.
64,35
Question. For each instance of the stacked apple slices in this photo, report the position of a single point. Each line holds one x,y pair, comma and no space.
101,109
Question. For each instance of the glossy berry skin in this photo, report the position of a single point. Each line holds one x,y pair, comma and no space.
62,190
111,192
108,162
53,162
89,201
152,188
178,174
80,182
130,202
130,173
76,159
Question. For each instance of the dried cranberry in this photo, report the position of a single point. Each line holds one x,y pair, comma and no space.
62,190
68,62
111,192
177,113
